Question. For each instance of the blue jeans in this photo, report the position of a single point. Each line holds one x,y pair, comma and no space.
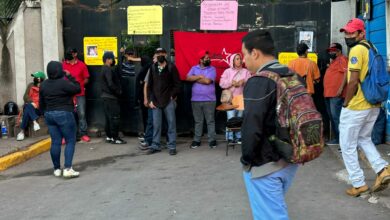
170,115
61,124
29,114
149,128
333,107
81,108
266,194
355,131
230,114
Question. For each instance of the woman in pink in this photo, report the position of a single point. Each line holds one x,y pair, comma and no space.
234,79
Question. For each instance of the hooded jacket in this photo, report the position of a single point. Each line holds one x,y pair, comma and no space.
234,74
56,93
31,95
259,120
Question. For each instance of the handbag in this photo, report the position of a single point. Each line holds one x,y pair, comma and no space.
227,94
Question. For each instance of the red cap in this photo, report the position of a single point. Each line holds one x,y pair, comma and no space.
353,25
202,53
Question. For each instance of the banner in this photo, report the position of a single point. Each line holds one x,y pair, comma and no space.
218,15
285,57
220,46
95,47
144,20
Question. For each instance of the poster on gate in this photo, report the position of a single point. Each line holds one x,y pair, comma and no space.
95,47
145,20
285,57
219,15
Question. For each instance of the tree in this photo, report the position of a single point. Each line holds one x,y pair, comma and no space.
7,10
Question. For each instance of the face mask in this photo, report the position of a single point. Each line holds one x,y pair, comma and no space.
206,63
332,56
161,59
350,42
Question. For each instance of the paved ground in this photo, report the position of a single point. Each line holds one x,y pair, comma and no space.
118,182
10,145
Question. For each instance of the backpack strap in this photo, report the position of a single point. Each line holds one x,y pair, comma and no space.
369,46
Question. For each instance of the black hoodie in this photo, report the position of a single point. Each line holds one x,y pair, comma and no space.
259,120
56,93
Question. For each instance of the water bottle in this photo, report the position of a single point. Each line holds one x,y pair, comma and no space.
4,131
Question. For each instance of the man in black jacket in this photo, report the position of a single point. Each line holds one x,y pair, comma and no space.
111,91
162,88
267,176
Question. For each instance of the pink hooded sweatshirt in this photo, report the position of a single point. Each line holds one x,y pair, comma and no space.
234,74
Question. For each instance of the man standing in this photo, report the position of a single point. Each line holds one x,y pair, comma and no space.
163,87
79,71
267,176
358,116
305,67
111,91
335,81
203,98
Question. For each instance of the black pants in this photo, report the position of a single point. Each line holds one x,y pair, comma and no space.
112,113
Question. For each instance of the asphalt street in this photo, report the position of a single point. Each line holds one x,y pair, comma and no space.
119,182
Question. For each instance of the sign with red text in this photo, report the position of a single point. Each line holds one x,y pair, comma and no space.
218,15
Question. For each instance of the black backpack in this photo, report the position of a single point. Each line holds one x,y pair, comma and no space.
11,108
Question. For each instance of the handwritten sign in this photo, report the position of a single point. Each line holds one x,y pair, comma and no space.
144,20
285,57
95,47
218,15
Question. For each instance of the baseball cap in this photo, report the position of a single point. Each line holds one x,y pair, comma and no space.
353,25
160,50
202,53
129,51
334,47
39,74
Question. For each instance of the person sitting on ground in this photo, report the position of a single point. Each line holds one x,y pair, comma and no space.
31,107
234,79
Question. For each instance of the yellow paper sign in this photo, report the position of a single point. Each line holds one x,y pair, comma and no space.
95,47
285,57
144,20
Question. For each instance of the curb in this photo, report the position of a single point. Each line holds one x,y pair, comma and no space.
21,156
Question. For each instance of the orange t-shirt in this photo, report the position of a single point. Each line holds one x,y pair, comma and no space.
306,68
334,76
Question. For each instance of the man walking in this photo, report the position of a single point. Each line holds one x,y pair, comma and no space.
335,81
203,98
305,67
358,116
267,176
163,87
79,71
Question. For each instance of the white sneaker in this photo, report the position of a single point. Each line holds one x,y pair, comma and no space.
36,126
57,172
20,136
70,173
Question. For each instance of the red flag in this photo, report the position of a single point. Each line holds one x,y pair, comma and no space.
219,45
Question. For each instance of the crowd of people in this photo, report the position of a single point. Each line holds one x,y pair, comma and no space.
61,99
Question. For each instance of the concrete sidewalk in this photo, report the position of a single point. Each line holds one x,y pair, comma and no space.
383,197
14,152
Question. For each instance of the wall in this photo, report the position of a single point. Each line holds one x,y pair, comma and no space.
339,17
376,27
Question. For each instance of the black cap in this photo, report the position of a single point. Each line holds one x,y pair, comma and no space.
335,46
129,51
160,50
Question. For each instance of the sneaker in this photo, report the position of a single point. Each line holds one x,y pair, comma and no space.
36,126
109,140
382,180
355,192
152,151
118,141
239,141
172,152
63,141
195,144
213,144
70,173
57,172
141,137
20,136
143,145
332,142
85,138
